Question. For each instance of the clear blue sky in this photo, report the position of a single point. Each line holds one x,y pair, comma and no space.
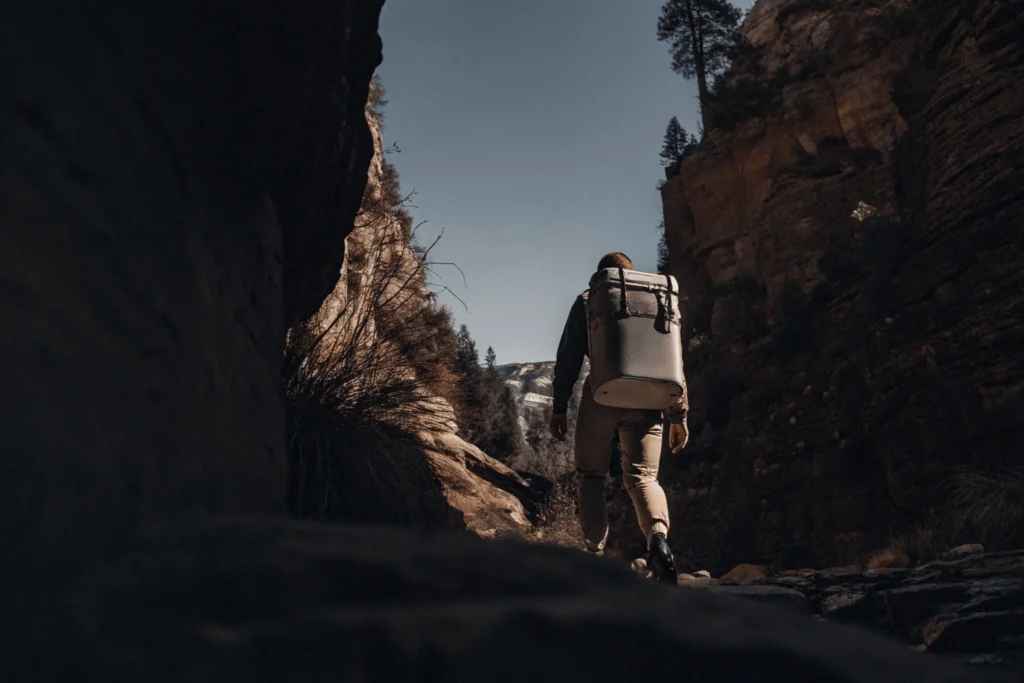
530,132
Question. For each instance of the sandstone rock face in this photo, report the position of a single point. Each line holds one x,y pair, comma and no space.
855,279
367,320
146,237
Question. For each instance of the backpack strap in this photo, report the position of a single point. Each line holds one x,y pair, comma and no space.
622,284
668,299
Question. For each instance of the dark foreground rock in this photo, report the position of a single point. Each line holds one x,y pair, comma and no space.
969,608
275,600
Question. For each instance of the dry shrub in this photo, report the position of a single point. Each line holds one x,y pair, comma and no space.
553,460
557,522
343,468
924,542
893,557
987,506
365,372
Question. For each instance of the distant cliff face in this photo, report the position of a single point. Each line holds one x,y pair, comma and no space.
532,385
849,239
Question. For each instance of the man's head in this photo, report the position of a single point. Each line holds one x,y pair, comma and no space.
615,260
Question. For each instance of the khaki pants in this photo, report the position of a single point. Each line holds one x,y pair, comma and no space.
640,435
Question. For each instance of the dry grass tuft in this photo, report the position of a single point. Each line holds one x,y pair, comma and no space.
893,557
988,506
372,366
557,521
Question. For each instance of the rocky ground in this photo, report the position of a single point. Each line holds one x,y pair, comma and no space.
278,600
967,607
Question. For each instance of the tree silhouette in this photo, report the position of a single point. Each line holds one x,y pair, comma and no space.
488,414
677,143
662,251
701,35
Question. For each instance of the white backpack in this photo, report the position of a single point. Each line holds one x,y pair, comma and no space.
634,327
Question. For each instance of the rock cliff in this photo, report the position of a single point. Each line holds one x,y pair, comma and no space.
177,179
375,337
531,384
848,236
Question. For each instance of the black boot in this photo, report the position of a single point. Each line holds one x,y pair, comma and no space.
661,562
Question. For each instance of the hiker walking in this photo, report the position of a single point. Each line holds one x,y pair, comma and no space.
628,324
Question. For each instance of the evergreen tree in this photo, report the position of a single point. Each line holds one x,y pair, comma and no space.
503,438
677,143
701,35
467,365
674,142
662,251
489,416
466,357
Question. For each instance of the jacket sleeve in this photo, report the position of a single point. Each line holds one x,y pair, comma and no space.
676,413
571,350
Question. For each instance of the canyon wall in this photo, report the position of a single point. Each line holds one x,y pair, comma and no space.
177,182
848,234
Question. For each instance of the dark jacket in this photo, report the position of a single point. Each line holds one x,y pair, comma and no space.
574,345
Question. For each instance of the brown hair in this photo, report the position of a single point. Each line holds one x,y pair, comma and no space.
616,259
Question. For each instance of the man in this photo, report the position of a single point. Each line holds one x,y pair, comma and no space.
640,438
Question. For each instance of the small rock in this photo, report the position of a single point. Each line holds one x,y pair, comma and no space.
808,390
888,321
800,445
792,420
964,551
639,566
745,572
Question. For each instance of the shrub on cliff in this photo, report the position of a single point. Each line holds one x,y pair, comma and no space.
362,373
374,364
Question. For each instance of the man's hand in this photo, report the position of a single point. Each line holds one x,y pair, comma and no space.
559,426
678,435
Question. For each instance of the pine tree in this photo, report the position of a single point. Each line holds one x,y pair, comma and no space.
702,35
662,250
674,142
466,356
472,411
489,416
504,439
677,143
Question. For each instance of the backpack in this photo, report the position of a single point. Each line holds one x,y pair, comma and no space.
634,331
